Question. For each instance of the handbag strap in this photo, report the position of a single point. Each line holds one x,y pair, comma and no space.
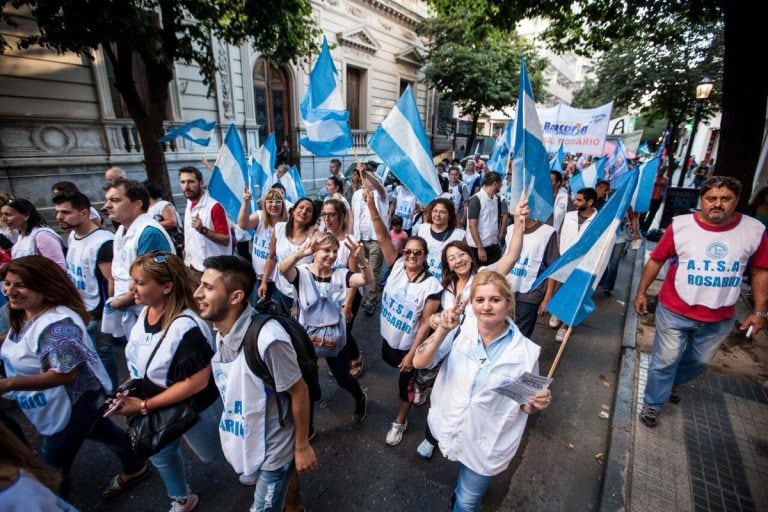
154,350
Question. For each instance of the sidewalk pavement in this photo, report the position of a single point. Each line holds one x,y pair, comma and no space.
708,453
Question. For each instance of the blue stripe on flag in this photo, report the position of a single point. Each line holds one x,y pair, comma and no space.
641,202
294,172
229,174
197,131
576,290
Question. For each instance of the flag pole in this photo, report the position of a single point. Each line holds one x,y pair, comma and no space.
560,352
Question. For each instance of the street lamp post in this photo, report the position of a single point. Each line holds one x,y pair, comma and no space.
703,90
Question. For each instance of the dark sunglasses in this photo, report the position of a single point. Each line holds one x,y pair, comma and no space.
415,252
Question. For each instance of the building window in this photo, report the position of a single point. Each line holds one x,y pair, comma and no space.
355,87
139,72
271,94
404,84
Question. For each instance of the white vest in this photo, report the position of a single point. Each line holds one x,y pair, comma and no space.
320,305
26,245
82,266
435,247
487,222
404,206
156,210
363,229
262,238
571,230
126,249
242,428
198,247
711,263
561,208
49,410
401,305
527,266
141,344
480,430
284,249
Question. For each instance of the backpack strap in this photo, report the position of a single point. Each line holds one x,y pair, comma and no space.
254,360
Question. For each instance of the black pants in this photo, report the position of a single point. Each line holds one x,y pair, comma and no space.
492,254
353,350
650,214
393,357
525,317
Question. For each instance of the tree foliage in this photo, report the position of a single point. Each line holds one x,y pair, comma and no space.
160,33
477,70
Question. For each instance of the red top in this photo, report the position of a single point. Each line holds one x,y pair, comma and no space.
218,218
668,296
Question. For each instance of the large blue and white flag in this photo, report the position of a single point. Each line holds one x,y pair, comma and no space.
263,167
502,149
323,110
296,177
197,131
641,201
581,267
530,164
617,166
402,145
556,164
588,177
229,174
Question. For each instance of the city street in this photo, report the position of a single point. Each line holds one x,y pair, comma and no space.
558,467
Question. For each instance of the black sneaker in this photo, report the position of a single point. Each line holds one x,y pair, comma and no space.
649,416
675,395
361,409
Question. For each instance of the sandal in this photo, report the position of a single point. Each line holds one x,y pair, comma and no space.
356,367
118,484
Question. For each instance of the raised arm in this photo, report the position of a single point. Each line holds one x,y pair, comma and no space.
382,235
507,261
245,219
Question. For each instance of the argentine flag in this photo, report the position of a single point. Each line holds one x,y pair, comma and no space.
556,164
582,266
197,131
323,110
588,177
617,166
229,174
641,201
263,167
296,177
531,166
402,145
502,148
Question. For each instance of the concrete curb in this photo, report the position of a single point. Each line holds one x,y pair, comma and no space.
613,497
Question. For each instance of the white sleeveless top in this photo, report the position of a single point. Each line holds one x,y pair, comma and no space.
82,266
526,269
262,238
126,250
284,249
435,247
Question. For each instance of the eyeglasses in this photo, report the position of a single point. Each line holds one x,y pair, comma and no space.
454,257
329,214
274,202
414,252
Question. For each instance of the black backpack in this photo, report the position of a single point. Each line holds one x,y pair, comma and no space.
305,351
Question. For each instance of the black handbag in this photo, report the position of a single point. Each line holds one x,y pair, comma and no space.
150,433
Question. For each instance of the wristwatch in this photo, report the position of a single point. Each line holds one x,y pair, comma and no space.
204,231
760,314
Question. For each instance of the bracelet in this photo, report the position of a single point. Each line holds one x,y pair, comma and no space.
143,408
760,314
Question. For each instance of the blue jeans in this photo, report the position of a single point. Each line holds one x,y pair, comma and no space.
271,489
254,298
203,439
682,349
103,344
86,422
470,489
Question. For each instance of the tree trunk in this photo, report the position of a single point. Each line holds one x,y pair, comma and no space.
472,135
744,98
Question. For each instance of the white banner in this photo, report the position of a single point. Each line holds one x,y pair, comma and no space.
578,130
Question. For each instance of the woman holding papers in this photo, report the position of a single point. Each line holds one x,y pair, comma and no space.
473,417
263,223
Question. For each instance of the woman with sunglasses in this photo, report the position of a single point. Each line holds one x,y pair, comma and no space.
409,295
263,222
438,230
35,237
333,215
54,373
170,348
472,415
287,238
321,287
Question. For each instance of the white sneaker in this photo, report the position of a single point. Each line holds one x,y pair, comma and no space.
246,479
189,504
395,434
425,449
560,336
554,321
419,395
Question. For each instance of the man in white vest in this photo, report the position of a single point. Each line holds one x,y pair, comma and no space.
561,203
270,451
89,266
127,202
206,227
709,251
487,221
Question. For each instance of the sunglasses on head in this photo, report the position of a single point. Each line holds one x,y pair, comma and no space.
159,257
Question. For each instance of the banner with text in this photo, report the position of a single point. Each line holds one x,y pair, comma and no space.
578,130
